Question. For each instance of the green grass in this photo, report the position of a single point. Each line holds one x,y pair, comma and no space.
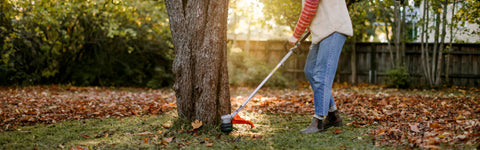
272,131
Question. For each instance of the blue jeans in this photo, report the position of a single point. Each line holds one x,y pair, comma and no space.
320,68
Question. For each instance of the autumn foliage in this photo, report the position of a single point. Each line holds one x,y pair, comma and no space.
413,118
49,104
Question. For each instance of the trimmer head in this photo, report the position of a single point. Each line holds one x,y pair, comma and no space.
227,125
228,121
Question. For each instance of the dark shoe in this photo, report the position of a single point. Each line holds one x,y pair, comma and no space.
315,126
333,119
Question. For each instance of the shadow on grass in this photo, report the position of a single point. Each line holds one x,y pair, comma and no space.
272,131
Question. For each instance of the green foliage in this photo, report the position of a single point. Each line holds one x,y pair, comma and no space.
398,78
96,42
247,70
283,12
362,16
469,12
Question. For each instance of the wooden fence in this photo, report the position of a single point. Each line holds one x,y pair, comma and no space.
373,62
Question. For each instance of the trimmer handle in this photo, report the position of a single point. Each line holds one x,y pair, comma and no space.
296,48
227,119
305,36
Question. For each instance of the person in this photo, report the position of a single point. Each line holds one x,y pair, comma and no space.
330,24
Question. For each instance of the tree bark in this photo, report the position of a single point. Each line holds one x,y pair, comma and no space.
397,33
435,43
426,53
353,61
403,34
199,34
422,41
442,43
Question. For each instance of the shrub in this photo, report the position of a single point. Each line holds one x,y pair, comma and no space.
96,42
398,78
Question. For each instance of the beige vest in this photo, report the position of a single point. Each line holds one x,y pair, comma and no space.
331,16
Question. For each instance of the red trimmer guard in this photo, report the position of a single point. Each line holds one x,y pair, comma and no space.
239,120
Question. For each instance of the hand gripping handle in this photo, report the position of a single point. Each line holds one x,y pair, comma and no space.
296,48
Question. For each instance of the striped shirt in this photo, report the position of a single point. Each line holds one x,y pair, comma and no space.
306,17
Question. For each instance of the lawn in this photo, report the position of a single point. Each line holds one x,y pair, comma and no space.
56,117
272,131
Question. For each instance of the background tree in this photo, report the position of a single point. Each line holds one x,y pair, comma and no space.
432,65
363,27
248,12
200,66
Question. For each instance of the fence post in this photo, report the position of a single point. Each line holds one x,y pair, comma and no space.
372,73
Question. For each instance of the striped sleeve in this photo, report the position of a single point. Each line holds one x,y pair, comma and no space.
306,17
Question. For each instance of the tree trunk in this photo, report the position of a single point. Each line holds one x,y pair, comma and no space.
4,21
450,49
427,53
435,43
353,61
397,33
403,36
424,40
442,43
235,22
247,41
199,34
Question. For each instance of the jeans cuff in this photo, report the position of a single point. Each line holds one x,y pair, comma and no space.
332,108
318,117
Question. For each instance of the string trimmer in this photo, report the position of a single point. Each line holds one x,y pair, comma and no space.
230,119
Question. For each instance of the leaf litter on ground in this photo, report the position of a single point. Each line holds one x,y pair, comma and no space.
49,104
416,118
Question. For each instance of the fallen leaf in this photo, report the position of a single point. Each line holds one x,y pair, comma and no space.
435,125
145,139
414,127
167,140
166,126
79,148
101,135
382,102
196,124
85,136
337,131
432,147
461,137
180,145
144,133
163,146
209,144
